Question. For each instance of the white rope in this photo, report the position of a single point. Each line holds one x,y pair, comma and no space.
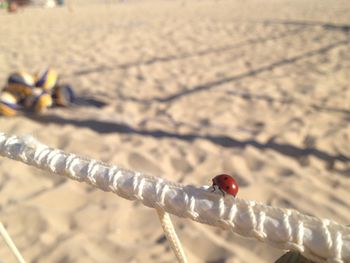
171,236
5,235
317,239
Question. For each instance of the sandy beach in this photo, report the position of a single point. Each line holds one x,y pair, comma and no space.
183,90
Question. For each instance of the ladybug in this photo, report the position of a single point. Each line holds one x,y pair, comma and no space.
226,184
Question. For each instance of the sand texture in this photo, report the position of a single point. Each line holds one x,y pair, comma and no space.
184,90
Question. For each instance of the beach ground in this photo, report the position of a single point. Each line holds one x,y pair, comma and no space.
184,90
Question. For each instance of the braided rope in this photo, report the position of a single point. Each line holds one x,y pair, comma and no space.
9,242
320,240
171,236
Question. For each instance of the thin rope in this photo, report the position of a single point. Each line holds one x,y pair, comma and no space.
171,236
9,242
317,239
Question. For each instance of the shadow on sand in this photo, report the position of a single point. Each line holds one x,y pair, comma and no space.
200,53
211,85
327,26
105,127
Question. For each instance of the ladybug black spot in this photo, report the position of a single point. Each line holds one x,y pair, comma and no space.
227,187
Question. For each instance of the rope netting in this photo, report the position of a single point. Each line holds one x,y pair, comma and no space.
320,240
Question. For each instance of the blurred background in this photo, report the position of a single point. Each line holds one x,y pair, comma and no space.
183,90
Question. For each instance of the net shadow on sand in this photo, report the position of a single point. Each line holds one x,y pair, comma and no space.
214,84
327,26
200,53
106,127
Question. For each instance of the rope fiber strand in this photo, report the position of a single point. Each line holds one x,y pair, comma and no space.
320,240
171,236
9,242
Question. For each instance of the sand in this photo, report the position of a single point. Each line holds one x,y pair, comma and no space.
188,90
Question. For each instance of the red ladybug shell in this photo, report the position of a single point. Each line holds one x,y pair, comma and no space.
226,183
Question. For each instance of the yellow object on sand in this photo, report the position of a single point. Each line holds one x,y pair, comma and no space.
44,102
46,79
20,84
38,101
8,104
